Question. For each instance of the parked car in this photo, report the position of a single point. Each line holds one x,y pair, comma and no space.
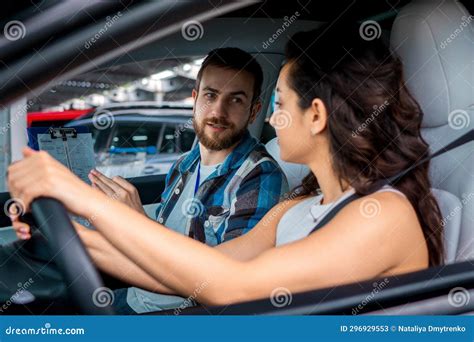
138,138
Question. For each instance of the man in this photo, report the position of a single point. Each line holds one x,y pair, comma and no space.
227,183
226,102
217,191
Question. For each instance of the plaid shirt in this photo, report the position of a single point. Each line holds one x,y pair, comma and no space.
231,200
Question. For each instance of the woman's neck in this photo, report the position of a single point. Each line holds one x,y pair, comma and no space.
332,187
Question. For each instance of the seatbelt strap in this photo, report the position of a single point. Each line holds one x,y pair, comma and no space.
333,212
465,138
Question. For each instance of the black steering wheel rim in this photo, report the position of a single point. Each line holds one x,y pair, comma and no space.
82,279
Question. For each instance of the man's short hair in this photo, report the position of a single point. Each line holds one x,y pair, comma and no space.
235,59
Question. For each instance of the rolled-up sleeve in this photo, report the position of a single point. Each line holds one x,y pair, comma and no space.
258,192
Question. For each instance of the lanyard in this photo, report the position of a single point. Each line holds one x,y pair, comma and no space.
198,177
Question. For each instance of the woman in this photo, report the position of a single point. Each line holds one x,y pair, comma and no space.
343,110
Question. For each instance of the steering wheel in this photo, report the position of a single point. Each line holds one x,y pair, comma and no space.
83,282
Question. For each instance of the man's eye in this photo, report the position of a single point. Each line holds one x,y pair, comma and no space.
209,96
237,100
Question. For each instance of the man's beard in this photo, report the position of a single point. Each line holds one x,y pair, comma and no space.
218,141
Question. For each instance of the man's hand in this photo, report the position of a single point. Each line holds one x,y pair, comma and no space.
117,188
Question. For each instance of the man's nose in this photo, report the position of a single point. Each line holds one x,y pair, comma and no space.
219,108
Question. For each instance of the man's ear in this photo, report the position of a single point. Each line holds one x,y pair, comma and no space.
317,116
194,95
254,111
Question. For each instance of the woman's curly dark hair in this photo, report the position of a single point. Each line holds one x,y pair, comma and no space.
374,122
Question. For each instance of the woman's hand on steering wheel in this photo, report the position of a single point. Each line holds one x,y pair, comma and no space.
40,175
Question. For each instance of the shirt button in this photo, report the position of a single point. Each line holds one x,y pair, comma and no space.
160,220
176,191
207,223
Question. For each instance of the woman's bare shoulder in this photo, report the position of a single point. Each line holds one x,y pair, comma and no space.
387,224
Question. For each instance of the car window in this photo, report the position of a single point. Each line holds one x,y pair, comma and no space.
187,139
169,141
100,138
135,135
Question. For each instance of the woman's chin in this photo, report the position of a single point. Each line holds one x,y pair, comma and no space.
290,158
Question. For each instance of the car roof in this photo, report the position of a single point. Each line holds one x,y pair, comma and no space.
141,111
146,105
136,118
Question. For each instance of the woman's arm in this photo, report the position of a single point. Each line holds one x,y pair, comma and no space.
110,260
351,248
244,248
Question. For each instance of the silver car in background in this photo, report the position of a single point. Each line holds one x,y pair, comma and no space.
138,138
